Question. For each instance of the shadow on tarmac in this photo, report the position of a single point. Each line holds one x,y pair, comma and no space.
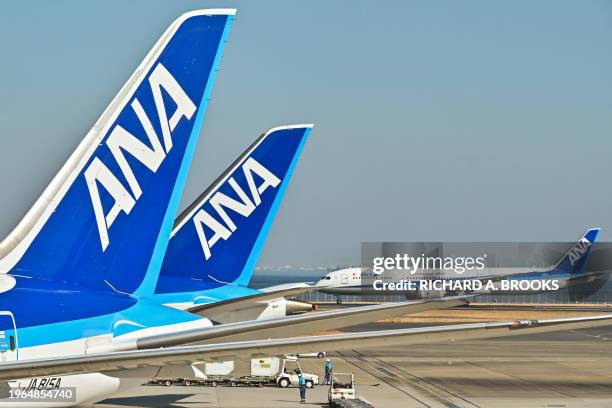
323,404
152,401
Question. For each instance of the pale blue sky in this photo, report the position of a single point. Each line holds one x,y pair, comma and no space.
434,120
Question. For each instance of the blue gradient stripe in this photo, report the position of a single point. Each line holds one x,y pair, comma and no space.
147,286
245,275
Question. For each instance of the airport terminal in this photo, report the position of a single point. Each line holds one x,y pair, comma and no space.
221,235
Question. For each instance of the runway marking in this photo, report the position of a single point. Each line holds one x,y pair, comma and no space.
586,371
520,380
601,336
428,389
348,360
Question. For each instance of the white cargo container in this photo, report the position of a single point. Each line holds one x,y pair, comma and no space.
265,367
219,368
282,372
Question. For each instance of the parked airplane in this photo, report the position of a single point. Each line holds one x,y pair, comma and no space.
99,231
567,271
78,274
80,271
216,241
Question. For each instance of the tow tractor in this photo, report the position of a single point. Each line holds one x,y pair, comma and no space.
275,371
288,374
267,371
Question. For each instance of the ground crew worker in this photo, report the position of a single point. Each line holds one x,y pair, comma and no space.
328,372
302,383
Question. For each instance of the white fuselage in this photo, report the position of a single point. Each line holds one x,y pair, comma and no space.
90,387
354,281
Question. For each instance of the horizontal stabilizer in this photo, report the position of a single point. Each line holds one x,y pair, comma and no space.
216,310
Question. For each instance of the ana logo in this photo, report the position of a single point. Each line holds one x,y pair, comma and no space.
223,226
120,141
578,250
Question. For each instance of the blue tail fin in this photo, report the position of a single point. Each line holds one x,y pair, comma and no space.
106,218
574,259
219,237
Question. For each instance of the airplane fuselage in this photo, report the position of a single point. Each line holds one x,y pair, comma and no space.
44,319
353,281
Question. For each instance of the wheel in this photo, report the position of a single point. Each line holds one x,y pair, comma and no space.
187,383
321,354
233,383
338,300
283,383
214,383
167,383
309,384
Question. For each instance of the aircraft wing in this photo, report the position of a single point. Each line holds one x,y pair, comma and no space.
125,360
292,326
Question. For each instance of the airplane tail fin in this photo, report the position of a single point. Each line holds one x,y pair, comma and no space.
219,237
105,219
574,259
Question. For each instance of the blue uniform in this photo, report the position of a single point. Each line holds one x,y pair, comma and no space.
302,382
328,372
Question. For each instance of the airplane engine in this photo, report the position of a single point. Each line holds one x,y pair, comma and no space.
432,294
266,309
284,307
91,387
297,307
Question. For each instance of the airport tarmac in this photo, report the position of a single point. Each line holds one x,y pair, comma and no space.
566,369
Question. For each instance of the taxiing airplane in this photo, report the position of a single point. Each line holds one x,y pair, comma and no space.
567,271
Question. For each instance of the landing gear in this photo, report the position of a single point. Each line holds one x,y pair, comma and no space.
338,300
